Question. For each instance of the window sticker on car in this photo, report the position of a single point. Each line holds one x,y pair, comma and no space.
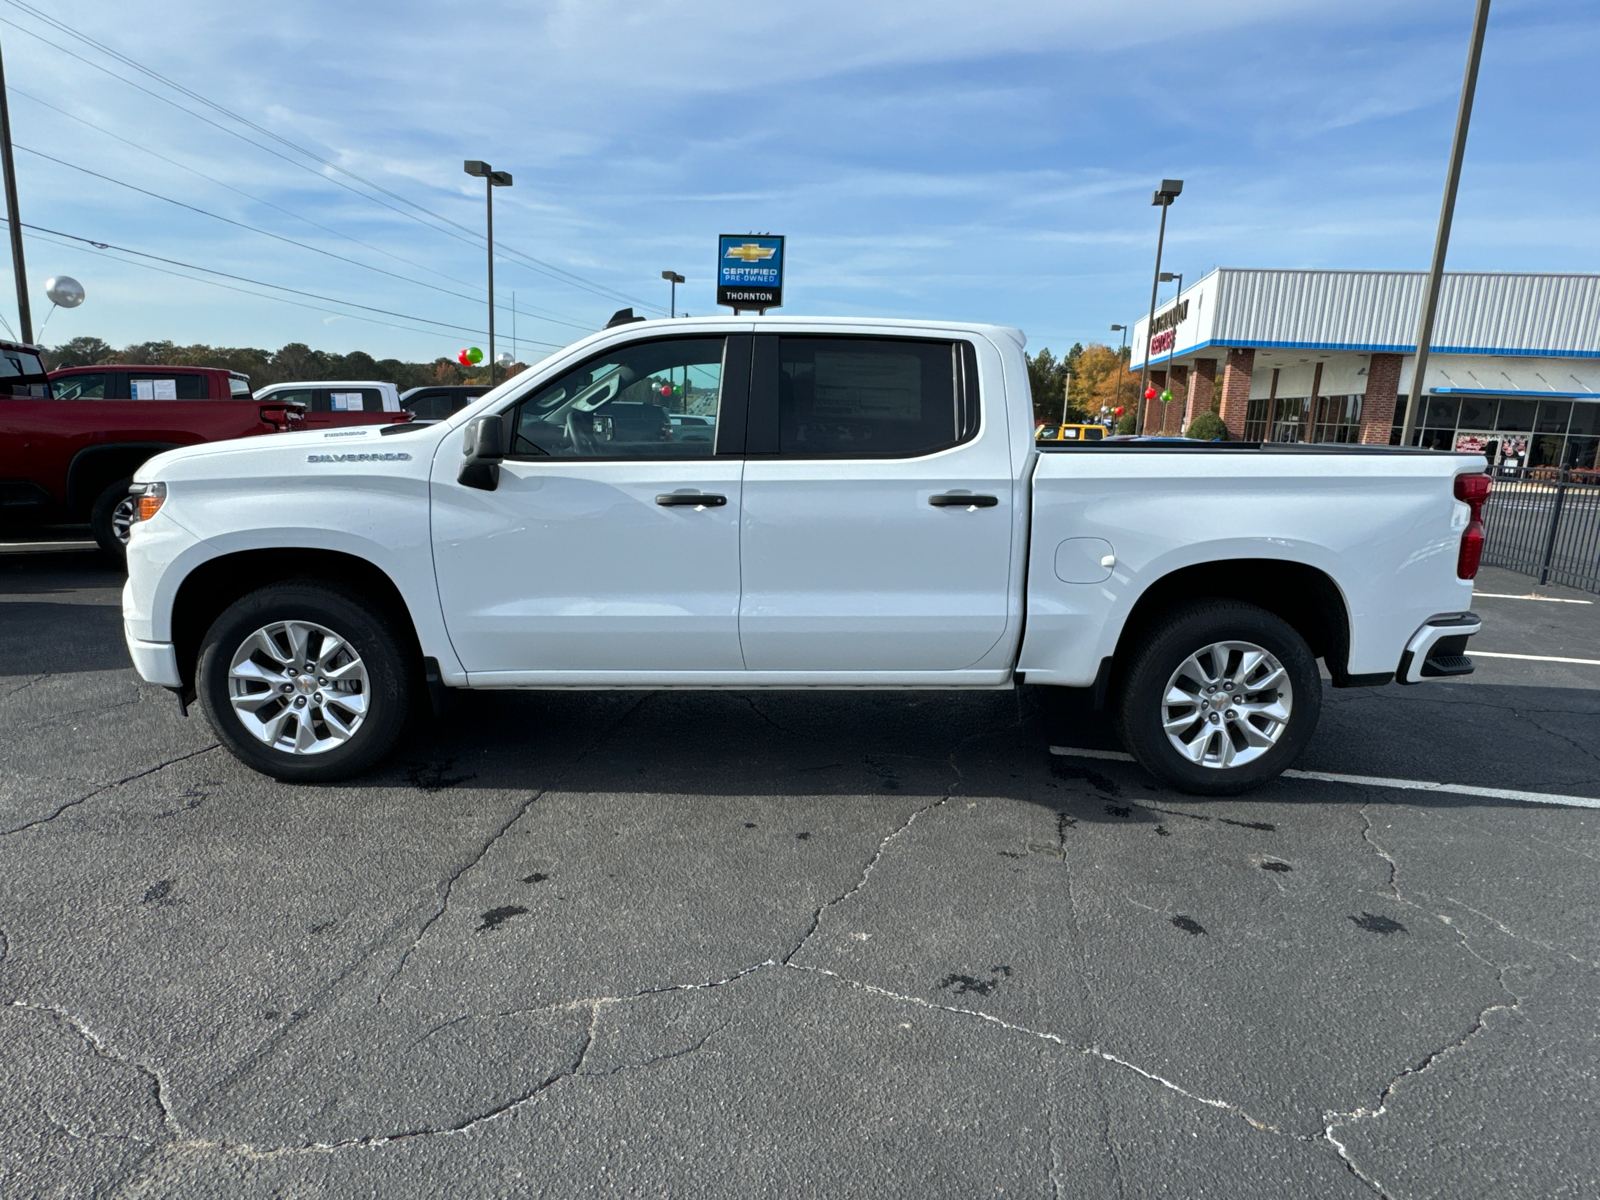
166,389
345,401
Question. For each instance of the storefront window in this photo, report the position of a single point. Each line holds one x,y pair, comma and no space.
1477,412
1338,419
1585,418
1442,412
1553,416
1255,420
1289,421
1516,415
1581,453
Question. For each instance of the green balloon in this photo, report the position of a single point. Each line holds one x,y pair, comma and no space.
475,355
1166,397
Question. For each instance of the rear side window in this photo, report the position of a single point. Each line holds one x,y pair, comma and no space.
238,387
349,400
302,396
432,406
175,385
870,397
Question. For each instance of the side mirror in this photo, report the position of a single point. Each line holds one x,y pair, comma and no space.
484,446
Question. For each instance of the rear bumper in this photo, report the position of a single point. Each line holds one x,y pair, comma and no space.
156,662
1438,649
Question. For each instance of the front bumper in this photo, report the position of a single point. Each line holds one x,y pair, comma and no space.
156,662
1438,649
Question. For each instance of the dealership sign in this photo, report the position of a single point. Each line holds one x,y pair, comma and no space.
1164,329
749,270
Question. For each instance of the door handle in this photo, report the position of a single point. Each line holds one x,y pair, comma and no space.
963,500
695,499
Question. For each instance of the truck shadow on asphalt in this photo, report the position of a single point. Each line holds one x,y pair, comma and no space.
932,744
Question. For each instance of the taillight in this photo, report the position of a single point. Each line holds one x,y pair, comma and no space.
1473,491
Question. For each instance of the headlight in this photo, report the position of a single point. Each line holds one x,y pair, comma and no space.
151,496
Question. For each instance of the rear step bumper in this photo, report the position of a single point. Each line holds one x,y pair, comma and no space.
1438,649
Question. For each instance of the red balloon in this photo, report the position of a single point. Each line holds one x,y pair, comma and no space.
1116,412
463,359
1150,393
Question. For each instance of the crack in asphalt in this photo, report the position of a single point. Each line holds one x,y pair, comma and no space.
521,811
106,787
25,686
103,1050
1335,1120
79,712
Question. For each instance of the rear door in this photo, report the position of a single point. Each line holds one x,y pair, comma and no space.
860,547
610,545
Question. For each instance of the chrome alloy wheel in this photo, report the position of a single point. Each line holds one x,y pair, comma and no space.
122,517
1227,704
298,687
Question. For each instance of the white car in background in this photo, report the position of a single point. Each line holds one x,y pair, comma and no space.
331,402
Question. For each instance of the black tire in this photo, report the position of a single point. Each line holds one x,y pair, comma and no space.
1166,647
102,519
389,690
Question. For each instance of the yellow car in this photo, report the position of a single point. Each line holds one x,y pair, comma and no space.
1070,433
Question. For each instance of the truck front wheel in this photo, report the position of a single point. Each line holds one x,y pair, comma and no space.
304,682
1220,697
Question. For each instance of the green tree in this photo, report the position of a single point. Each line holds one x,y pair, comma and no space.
1047,379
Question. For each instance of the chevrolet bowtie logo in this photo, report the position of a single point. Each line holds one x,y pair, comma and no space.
750,252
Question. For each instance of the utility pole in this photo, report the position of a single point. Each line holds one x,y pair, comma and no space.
1441,241
13,214
1066,394
492,179
1169,191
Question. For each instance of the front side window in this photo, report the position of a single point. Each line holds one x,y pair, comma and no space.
866,397
641,400
88,386
302,396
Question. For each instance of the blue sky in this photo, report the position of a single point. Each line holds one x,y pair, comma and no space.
944,159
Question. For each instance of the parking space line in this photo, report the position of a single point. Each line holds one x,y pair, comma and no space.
45,547
1582,662
1529,596
1415,785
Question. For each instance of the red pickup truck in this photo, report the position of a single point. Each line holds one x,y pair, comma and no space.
70,441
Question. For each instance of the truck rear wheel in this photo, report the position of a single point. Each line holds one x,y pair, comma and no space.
304,682
110,518
1221,697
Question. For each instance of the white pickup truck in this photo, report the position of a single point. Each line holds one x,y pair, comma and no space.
858,504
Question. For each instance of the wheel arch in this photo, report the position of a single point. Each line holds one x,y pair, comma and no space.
208,590
94,468
1306,597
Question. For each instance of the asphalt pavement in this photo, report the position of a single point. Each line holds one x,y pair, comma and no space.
794,944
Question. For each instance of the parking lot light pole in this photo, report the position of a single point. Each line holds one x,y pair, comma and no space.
1441,241
1169,276
673,278
1122,359
13,216
492,179
1169,191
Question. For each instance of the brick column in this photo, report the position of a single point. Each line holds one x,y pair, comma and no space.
1236,390
1180,397
1152,408
1202,387
1378,405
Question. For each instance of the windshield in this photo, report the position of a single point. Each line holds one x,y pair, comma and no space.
22,374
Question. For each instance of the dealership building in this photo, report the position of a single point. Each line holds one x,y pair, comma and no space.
1328,356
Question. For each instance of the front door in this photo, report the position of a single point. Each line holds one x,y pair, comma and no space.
861,551
612,541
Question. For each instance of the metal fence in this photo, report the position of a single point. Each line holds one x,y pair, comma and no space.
1545,523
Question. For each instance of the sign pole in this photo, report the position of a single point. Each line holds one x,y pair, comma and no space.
1441,241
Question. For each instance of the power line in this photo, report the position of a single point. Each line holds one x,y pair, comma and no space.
253,229
537,313
561,273
257,282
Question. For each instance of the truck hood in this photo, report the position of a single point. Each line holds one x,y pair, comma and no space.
294,453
